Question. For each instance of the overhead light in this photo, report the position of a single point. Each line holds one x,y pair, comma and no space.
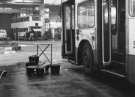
13,1
25,1
8,10
37,8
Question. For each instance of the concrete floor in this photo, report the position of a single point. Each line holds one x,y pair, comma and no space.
72,81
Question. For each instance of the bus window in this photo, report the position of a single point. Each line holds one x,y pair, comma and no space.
68,16
132,7
106,17
113,15
86,14
73,16
113,20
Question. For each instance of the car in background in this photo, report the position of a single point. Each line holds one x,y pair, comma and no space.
3,34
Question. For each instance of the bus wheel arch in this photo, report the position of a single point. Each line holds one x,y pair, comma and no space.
85,55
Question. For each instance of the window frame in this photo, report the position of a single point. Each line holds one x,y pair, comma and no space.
131,8
94,22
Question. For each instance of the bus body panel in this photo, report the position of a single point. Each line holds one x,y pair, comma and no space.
131,50
88,35
89,39
130,41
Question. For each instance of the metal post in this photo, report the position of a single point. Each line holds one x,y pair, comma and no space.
37,49
51,54
17,38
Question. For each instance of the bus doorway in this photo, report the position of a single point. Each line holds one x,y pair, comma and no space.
113,35
68,45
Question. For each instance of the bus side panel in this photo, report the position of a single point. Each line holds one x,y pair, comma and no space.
131,47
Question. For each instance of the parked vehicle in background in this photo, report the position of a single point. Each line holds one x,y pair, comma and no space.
3,34
21,26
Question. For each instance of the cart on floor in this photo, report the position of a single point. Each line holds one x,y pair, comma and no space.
34,66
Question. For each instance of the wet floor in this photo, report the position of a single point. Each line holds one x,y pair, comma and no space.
71,82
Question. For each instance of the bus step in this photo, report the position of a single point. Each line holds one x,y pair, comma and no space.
114,73
116,67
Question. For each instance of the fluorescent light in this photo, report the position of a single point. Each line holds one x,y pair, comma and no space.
8,10
54,2
21,1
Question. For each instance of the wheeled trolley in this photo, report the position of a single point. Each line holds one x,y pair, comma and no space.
36,67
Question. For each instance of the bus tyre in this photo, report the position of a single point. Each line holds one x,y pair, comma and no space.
87,58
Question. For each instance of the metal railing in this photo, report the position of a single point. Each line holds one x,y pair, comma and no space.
43,51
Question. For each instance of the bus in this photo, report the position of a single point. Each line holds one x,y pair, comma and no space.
22,25
100,35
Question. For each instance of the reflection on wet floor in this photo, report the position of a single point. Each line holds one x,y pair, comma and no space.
18,84
70,83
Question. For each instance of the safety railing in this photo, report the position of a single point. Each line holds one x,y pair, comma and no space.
43,51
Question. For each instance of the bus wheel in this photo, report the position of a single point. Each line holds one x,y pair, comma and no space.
87,58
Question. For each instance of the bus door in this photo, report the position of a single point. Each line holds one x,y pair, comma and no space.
110,36
118,35
68,30
118,32
106,32
113,34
